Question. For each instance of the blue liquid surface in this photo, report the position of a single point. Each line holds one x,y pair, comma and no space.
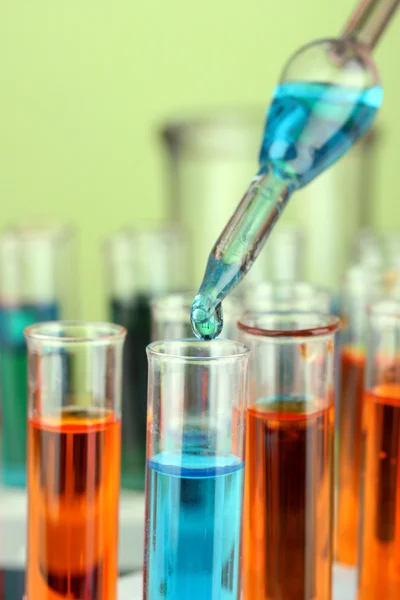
193,527
14,387
309,126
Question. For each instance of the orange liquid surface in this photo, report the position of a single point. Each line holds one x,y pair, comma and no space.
288,510
74,480
380,511
350,427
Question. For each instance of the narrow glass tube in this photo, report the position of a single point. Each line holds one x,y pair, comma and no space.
35,285
369,21
74,440
361,285
379,556
170,317
286,295
141,264
288,506
195,468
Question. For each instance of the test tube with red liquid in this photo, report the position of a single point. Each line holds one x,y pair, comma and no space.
379,553
288,506
74,441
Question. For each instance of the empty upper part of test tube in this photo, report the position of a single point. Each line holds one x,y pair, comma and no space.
327,98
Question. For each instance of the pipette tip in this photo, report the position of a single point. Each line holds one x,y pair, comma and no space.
206,317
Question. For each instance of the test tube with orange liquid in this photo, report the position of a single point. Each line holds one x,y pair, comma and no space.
379,555
74,440
361,285
288,506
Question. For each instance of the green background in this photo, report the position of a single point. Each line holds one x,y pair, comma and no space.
85,84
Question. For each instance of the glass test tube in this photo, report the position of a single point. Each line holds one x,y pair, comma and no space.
286,295
288,506
35,285
141,265
286,254
170,317
74,441
195,468
368,249
379,555
361,285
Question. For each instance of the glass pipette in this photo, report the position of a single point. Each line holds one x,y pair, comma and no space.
327,98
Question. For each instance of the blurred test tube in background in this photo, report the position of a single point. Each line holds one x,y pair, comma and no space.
362,284
379,531
267,296
284,260
170,316
141,264
377,250
210,161
36,284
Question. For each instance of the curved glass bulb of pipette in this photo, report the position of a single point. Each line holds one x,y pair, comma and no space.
326,100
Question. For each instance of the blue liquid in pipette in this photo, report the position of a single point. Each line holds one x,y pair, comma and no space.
193,527
309,126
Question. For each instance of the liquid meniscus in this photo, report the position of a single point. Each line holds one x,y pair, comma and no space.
193,527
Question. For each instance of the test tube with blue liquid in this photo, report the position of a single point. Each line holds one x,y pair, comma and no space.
35,285
195,468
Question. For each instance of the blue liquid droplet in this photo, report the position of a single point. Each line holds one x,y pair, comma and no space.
206,326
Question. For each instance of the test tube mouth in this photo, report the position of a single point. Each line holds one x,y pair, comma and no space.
288,324
198,351
39,230
62,332
385,307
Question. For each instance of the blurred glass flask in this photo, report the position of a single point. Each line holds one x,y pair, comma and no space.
141,265
36,271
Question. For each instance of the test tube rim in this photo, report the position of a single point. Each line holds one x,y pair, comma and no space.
161,230
330,326
267,287
388,308
37,332
49,231
239,355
